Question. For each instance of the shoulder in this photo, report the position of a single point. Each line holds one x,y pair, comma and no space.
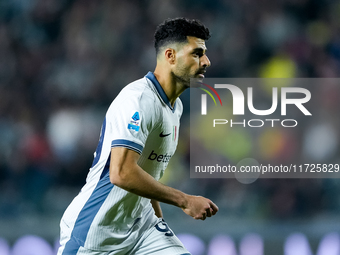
135,93
135,97
138,90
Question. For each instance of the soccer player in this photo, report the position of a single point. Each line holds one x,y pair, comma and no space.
117,210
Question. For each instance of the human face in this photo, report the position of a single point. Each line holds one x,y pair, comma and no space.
191,61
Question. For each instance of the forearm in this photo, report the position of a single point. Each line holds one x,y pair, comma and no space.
127,174
139,182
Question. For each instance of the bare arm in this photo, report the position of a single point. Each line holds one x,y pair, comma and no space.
157,207
126,174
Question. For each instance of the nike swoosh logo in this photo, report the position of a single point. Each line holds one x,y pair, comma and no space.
164,135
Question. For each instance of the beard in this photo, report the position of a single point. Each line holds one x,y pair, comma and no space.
183,76
182,79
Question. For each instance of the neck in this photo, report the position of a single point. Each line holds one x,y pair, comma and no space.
172,87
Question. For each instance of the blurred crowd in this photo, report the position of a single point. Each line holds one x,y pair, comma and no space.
62,62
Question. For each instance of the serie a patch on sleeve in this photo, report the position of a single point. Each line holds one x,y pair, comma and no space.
134,123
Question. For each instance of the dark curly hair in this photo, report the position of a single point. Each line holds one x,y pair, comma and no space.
177,30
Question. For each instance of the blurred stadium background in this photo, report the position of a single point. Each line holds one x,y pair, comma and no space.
63,61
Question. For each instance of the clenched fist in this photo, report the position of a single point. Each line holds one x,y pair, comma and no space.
199,207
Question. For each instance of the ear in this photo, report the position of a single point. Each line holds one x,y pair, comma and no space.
170,55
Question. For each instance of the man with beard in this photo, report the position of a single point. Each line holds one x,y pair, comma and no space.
118,210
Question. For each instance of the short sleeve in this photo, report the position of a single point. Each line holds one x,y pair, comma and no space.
130,121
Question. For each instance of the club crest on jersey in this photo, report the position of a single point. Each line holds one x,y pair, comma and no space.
134,122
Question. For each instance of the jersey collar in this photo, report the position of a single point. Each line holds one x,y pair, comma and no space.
160,90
